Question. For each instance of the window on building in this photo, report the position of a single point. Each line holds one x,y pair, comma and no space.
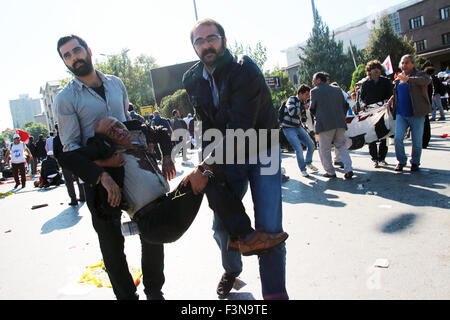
416,22
446,38
420,45
445,13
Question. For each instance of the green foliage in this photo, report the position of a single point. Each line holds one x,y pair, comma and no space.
323,53
257,54
179,100
383,41
35,129
134,74
286,90
358,75
6,136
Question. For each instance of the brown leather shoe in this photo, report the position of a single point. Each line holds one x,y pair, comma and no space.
261,242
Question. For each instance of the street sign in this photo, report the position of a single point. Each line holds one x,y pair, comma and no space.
147,110
273,82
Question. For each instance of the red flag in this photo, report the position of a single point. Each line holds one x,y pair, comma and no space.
24,136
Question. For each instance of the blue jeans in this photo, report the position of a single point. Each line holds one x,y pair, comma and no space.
297,137
401,125
266,195
437,104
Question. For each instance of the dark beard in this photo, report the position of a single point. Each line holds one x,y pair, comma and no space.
219,53
84,69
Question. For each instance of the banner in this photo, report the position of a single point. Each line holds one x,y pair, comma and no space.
387,64
372,125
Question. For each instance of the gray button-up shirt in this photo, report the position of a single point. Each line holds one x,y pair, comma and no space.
78,108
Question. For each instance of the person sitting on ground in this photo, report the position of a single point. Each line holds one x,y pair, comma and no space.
50,174
163,216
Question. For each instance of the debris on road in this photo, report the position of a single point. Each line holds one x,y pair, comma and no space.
39,206
381,263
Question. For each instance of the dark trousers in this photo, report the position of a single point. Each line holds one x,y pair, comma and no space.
378,154
111,243
34,163
426,133
69,179
167,218
19,168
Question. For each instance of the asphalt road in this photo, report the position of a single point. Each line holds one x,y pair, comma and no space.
381,235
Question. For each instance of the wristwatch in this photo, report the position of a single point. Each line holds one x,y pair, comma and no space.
205,172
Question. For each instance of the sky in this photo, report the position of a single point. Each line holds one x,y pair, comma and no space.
30,29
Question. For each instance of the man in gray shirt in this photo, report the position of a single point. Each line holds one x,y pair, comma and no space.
89,97
329,108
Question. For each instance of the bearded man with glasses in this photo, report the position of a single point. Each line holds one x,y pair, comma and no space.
230,92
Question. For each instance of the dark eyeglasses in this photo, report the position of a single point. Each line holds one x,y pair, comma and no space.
209,39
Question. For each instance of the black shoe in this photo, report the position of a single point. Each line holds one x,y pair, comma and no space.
328,175
73,203
225,285
284,178
17,184
399,167
156,296
375,164
414,167
82,200
441,119
348,175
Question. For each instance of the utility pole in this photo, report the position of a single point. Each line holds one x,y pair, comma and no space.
195,9
313,10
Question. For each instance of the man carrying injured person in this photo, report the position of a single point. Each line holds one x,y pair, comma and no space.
164,216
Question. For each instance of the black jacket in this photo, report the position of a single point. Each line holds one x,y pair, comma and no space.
245,101
373,92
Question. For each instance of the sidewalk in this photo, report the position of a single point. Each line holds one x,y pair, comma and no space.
338,230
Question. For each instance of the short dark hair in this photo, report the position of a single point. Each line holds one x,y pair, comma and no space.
207,21
374,64
429,70
174,111
63,40
321,76
303,88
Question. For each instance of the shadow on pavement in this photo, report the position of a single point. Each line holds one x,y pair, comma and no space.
399,223
66,219
411,188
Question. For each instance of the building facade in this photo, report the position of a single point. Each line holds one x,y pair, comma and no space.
427,24
24,109
49,93
358,32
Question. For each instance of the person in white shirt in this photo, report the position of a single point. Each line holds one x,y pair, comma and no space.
17,151
49,143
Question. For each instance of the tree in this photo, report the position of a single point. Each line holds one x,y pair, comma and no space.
179,100
323,53
285,91
358,75
35,129
257,54
134,74
383,41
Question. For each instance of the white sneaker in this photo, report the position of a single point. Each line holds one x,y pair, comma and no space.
312,167
305,174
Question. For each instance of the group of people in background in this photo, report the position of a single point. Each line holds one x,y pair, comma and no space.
320,114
